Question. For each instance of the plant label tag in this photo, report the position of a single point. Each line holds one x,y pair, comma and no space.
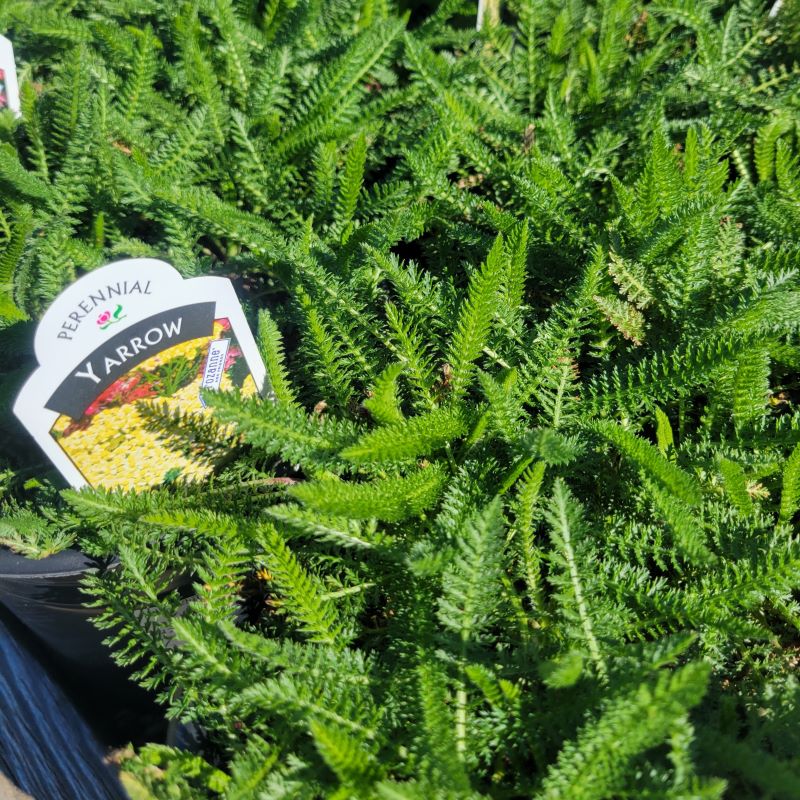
9,89
127,342
215,364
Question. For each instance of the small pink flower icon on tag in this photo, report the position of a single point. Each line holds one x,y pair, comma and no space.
107,318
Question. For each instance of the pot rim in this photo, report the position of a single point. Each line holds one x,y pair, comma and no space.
65,563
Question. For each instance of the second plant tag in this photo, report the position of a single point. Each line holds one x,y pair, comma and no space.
9,90
126,336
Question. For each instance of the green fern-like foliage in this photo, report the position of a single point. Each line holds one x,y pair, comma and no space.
518,518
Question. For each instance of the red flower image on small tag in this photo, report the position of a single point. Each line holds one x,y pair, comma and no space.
3,97
105,319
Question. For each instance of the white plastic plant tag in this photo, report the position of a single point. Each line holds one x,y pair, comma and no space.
129,335
9,89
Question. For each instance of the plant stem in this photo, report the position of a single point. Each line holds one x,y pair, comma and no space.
461,705
488,11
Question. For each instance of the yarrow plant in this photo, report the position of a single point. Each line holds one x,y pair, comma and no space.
520,518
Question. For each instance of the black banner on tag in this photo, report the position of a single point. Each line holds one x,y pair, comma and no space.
125,350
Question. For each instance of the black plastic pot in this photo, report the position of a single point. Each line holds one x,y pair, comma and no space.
46,748
44,598
43,594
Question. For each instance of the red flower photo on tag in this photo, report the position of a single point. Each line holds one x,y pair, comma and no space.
3,97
